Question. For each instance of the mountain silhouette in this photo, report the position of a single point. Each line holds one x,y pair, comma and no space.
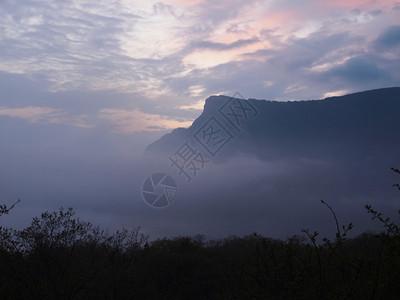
364,124
265,165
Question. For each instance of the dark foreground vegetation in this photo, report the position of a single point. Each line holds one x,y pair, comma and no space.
62,257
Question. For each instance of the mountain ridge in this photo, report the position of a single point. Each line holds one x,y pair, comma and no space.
363,117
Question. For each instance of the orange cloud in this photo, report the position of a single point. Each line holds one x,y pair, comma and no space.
31,113
34,114
185,2
130,121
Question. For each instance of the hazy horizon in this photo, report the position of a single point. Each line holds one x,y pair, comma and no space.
87,85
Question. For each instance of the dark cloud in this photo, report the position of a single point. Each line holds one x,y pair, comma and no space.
358,69
303,53
390,37
259,54
212,13
375,13
222,46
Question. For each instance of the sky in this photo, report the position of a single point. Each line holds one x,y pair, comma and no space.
87,85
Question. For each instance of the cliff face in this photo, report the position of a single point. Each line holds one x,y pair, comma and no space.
360,124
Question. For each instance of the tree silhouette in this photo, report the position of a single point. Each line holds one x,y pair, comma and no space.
61,257
4,210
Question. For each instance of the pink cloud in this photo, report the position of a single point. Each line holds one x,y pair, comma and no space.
357,3
185,3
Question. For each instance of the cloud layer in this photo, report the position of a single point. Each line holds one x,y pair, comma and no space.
158,49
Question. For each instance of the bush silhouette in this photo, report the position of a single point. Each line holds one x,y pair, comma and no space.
61,257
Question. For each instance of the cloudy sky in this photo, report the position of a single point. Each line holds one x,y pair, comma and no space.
157,60
89,81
